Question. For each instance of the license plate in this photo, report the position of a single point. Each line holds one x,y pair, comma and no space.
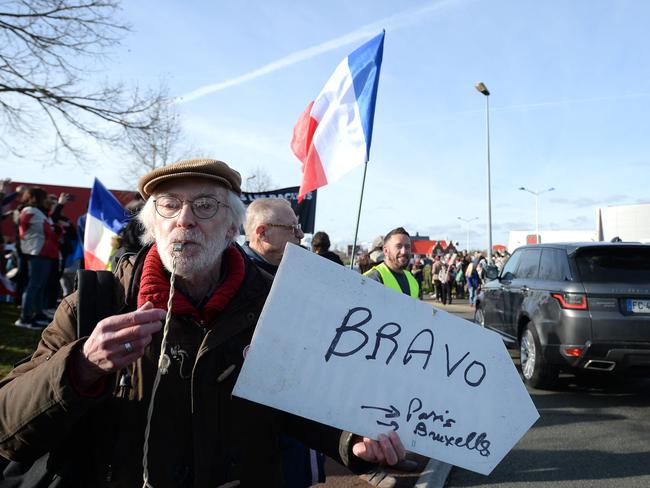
638,306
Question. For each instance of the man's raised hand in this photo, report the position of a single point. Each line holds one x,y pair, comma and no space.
116,342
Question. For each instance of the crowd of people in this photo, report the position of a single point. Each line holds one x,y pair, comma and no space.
454,275
443,277
210,272
77,409
45,249
41,261
45,255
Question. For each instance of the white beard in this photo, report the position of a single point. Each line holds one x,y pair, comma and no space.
196,259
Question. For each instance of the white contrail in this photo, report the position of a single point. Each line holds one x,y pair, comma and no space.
394,22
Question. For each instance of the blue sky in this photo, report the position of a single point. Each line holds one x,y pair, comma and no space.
570,84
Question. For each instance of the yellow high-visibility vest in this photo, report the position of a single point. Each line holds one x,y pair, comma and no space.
391,282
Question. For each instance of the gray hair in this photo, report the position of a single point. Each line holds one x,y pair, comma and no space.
261,211
147,217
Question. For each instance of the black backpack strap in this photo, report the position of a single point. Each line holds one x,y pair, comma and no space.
95,299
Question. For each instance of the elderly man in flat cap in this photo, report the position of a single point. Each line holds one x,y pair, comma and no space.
85,402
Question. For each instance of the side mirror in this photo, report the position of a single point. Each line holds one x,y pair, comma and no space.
491,272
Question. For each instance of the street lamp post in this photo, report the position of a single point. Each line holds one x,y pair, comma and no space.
467,221
537,194
247,185
481,88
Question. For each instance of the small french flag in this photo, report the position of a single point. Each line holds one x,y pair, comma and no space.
104,220
7,287
334,132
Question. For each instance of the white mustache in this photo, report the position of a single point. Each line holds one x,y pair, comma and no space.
185,237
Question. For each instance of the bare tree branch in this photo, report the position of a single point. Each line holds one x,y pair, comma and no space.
258,181
46,47
156,146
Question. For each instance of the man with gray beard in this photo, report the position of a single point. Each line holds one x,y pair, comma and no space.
87,400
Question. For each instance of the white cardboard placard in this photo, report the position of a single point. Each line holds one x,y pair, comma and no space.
447,386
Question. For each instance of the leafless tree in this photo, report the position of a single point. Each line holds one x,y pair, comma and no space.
46,49
161,144
258,181
153,147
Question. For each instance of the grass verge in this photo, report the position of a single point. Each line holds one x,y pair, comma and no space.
15,342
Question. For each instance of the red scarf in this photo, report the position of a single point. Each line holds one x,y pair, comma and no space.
154,287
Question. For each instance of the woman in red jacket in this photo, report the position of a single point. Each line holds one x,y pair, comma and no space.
39,245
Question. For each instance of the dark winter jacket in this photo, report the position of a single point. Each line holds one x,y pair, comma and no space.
201,436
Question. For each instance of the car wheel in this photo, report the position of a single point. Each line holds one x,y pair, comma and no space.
479,317
536,371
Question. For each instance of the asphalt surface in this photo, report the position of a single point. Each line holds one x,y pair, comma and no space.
593,432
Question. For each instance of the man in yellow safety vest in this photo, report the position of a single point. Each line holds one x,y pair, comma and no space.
392,272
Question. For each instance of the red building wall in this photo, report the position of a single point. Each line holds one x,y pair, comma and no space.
73,209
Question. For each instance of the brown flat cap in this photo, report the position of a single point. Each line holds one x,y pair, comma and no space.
211,169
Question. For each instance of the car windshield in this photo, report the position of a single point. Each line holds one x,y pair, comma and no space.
623,265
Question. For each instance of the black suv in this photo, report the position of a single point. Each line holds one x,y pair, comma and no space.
572,306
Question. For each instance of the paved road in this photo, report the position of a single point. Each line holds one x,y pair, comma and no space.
459,308
593,432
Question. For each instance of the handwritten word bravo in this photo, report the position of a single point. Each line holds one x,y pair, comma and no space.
387,335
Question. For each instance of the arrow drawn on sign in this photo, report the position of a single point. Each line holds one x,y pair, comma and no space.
390,413
392,424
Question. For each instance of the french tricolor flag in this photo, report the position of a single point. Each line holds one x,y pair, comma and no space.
104,220
334,132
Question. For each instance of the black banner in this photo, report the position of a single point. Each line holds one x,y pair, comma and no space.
306,211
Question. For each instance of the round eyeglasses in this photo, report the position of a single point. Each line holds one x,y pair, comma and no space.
295,228
202,208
